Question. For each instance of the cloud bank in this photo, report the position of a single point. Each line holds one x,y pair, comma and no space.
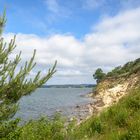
112,42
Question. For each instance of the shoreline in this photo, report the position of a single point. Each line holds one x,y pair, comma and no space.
85,111
108,95
104,99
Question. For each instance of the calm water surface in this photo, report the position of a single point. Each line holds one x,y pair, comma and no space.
48,101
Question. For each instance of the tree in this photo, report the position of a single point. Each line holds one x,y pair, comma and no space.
99,75
15,84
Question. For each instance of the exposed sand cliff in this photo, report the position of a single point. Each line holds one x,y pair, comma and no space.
107,93
110,91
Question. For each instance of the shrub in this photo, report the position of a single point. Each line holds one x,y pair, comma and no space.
97,126
121,118
133,133
134,103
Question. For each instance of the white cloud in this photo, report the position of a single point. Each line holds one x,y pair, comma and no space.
114,41
116,37
56,10
63,48
53,6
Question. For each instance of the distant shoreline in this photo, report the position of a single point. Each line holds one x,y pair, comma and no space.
69,86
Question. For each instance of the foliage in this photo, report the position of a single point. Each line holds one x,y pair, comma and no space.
13,83
125,70
99,75
119,122
120,71
42,129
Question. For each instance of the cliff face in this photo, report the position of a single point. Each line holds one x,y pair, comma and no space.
111,90
116,84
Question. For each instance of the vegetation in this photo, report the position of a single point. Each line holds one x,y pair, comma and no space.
120,71
119,122
13,83
126,70
99,75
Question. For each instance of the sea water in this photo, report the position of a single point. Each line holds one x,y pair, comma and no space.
48,101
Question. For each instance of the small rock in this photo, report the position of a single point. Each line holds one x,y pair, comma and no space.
77,106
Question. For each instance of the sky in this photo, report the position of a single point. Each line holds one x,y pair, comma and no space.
82,35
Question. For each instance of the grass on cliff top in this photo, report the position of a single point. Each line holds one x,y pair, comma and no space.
119,122
129,68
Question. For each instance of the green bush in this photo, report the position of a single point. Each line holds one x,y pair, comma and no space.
121,118
133,133
134,103
127,69
97,126
8,127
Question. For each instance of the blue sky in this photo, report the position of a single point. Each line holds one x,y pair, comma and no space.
43,17
40,17
81,34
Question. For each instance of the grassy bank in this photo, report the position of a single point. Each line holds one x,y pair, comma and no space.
119,122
